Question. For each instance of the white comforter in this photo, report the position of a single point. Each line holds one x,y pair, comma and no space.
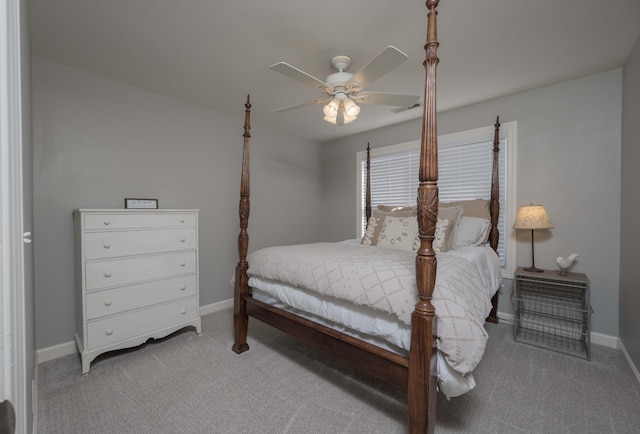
384,279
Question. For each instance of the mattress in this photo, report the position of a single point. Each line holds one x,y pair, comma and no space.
380,328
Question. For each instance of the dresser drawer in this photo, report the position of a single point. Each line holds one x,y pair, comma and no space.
116,272
117,300
110,244
140,322
134,220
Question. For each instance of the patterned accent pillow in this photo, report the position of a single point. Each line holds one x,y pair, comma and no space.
376,220
439,240
451,215
445,229
369,233
398,233
393,208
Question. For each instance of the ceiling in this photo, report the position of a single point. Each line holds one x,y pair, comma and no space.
214,53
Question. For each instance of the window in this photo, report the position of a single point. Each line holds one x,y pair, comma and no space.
464,166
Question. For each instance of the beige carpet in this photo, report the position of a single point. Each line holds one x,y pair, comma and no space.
191,384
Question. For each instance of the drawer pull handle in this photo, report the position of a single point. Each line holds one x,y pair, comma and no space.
183,287
181,220
107,274
182,239
182,264
107,222
108,332
183,311
107,245
107,302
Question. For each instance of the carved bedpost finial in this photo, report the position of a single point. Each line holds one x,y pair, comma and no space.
367,207
494,204
247,114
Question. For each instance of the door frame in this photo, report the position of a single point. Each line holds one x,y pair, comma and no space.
13,382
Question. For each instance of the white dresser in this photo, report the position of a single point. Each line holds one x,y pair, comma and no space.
136,277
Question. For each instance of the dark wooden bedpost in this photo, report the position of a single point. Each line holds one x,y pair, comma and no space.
367,207
494,209
241,289
422,393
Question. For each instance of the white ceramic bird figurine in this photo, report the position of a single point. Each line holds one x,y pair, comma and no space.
565,263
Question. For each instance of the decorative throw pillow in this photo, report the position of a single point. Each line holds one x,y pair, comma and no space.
472,208
439,242
374,225
398,233
393,208
450,217
472,231
445,229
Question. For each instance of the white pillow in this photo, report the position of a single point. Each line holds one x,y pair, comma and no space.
472,231
398,233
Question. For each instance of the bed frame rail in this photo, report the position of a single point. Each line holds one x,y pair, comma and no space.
385,365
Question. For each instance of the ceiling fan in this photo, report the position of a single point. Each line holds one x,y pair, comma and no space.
344,89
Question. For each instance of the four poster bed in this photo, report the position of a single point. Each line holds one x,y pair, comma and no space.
338,296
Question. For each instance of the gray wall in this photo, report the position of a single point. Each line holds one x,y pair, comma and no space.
97,141
568,160
630,232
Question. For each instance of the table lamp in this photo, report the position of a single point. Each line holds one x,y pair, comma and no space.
532,217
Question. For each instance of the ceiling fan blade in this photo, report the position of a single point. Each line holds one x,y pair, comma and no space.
298,74
379,66
381,98
302,104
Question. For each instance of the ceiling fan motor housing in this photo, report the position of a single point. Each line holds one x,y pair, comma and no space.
341,62
337,80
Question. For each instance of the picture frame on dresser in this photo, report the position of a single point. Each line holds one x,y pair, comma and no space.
140,203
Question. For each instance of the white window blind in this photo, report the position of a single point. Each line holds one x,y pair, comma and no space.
464,168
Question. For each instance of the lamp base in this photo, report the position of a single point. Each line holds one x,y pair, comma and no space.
533,269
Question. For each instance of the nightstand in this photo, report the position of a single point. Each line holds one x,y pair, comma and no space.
553,311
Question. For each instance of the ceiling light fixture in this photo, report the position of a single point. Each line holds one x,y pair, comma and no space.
341,110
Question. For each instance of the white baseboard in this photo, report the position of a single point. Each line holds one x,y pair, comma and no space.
596,338
67,348
216,307
55,351
505,317
631,364
605,340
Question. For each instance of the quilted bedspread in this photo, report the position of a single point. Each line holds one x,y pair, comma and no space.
384,279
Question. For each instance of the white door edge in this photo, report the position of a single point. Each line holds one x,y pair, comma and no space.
12,297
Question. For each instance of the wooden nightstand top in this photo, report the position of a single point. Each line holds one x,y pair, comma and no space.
552,274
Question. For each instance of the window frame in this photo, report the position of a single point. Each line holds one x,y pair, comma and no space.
508,149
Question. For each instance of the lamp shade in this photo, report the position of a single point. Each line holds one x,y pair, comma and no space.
532,217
